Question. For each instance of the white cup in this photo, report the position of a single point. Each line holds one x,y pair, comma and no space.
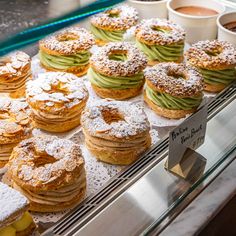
223,33
154,9
197,27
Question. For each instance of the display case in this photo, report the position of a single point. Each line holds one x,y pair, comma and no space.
144,197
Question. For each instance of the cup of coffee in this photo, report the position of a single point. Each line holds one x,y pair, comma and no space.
150,8
226,23
198,18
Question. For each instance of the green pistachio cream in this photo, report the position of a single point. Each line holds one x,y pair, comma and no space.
110,36
64,62
118,82
215,77
162,53
167,101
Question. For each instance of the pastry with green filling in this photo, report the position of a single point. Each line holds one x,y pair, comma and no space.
173,90
161,40
110,26
15,219
116,71
216,62
67,51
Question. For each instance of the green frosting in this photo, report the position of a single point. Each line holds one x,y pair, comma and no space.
64,62
218,76
110,36
162,53
173,103
118,82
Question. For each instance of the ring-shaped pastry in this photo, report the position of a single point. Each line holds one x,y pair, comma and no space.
110,26
216,61
15,125
49,171
67,50
173,90
161,40
116,132
57,100
117,71
15,70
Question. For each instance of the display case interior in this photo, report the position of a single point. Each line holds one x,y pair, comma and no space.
64,151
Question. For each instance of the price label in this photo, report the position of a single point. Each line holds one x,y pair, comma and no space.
189,134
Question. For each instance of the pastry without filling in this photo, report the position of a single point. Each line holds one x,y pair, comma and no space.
49,171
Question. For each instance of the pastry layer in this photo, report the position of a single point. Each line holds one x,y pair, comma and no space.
122,152
215,77
174,103
63,62
5,151
50,122
109,36
162,53
119,82
12,85
55,199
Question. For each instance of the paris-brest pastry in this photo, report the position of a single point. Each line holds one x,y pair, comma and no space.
49,171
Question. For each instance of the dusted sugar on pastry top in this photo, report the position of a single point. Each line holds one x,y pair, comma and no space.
110,26
116,132
216,61
57,100
15,220
67,50
117,71
49,171
161,40
15,70
173,90
15,125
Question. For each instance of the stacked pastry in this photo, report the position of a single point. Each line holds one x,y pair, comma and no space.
15,70
15,125
216,62
49,171
161,40
67,50
117,71
15,220
173,90
116,132
110,26
57,100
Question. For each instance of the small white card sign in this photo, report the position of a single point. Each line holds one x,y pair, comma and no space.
189,134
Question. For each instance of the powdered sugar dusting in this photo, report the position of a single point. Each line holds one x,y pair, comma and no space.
64,154
188,83
135,63
11,201
166,32
213,54
127,17
14,120
13,64
69,41
134,119
56,87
